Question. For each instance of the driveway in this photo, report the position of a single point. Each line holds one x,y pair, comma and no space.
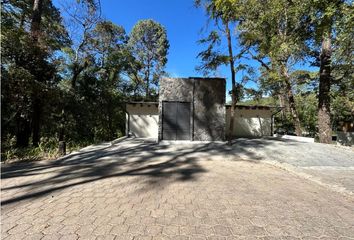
142,190
329,165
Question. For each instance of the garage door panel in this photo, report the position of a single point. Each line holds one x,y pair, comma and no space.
169,120
176,121
183,121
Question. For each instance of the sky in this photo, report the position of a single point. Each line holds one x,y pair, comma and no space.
183,23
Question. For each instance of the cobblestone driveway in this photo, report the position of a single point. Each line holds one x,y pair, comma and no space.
141,190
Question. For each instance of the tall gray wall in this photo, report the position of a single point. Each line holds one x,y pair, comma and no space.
209,109
207,96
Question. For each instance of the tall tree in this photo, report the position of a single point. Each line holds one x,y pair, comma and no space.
326,18
36,19
108,45
149,45
81,18
29,64
224,12
275,34
37,106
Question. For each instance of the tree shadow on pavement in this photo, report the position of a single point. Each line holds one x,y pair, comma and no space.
132,157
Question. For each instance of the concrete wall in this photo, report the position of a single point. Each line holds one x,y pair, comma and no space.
142,120
207,96
250,122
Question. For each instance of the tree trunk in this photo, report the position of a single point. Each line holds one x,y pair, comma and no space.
36,19
74,78
324,113
61,133
233,84
36,108
23,132
62,148
36,118
291,101
147,93
147,79
282,104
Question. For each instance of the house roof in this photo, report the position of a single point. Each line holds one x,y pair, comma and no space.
238,106
143,103
207,78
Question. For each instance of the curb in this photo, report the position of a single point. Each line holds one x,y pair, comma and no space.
118,140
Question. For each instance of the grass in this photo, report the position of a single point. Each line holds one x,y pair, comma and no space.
47,150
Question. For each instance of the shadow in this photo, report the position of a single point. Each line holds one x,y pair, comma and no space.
209,115
131,158
159,164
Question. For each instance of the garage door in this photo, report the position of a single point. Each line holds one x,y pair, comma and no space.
176,120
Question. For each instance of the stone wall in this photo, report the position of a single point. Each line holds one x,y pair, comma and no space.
207,96
209,109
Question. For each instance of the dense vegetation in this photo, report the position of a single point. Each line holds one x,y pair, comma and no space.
284,36
66,74
68,80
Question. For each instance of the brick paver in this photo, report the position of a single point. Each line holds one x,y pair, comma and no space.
137,190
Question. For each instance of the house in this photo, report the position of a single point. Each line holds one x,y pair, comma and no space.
194,109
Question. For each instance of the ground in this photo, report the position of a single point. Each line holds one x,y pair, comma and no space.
133,189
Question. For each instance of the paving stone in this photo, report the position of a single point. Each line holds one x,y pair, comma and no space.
36,236
225,198
85,230
170,230
52,229
69,237
153,230
105,237
102,230
119,229
19,229
222,230
136,229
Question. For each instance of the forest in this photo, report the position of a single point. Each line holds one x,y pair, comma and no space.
66,73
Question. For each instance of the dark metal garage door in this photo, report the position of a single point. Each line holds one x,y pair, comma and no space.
176,120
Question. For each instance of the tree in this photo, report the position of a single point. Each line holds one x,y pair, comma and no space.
327,19
149,45
29,64
108,44
275,33
223,11
81,19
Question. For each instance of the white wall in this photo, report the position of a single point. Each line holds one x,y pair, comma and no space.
143,120
250,122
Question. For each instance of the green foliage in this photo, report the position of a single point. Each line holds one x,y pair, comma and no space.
47,149
343,109
29,68
149,45
211,58
307,105
74,80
